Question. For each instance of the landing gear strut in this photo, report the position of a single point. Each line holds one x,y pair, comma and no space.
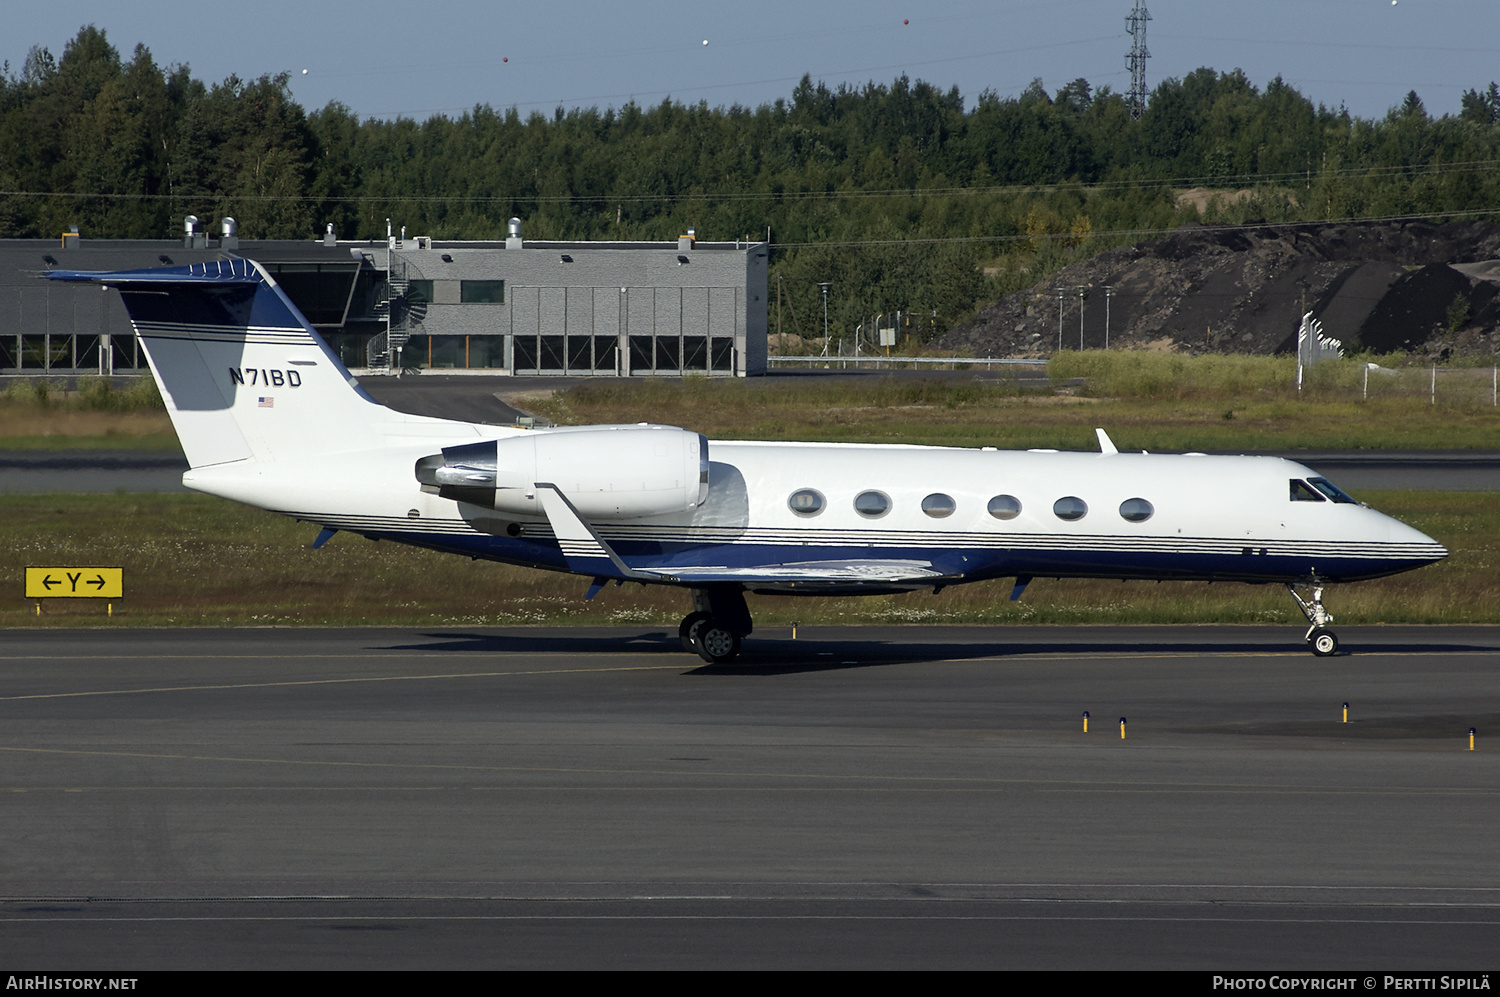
718,621
1321,640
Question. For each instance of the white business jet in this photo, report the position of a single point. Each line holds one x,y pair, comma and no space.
268,416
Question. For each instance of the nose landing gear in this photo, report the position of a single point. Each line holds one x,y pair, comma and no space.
1320,639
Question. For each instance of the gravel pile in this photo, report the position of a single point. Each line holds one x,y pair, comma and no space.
1385,286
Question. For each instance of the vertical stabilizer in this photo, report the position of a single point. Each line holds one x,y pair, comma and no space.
243,374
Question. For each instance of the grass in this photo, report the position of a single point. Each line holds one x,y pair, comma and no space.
38,414
1220,413
1146,400
200,561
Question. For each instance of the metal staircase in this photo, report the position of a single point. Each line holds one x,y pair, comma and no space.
382,353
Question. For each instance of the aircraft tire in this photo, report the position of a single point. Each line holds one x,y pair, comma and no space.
688,631
1323,642
717,645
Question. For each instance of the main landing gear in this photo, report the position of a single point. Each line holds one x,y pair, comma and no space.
1321,640
719,620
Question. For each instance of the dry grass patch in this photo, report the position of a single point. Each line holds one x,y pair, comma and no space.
62,429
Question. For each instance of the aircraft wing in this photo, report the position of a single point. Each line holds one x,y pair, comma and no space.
842,572
586,552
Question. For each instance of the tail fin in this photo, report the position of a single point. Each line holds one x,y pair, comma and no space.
242,372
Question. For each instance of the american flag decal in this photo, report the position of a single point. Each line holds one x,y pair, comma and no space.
267,401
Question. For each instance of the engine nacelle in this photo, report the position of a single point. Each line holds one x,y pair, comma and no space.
607,472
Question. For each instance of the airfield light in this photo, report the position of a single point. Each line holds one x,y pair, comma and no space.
1060,292
1082,292
824,286
1109,292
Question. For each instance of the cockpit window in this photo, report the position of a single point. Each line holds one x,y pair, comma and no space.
1302,492
1331,490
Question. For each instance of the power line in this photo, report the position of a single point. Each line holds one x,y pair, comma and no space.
1101,187
1142,233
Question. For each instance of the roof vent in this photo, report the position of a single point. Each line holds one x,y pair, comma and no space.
513,234
193,236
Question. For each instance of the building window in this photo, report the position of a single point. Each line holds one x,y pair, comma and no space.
419,290
482,292
721,354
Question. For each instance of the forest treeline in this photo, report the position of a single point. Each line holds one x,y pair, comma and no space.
899,195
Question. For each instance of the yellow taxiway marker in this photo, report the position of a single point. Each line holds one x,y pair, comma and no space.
75,583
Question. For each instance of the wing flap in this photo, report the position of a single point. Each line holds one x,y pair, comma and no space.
840,572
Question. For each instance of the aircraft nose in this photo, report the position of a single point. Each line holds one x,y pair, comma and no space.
1400,533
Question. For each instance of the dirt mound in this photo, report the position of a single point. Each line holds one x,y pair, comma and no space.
1383,286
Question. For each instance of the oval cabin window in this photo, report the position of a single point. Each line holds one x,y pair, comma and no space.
806,502
1070,508
939,506
1136,510
1004,507
872,505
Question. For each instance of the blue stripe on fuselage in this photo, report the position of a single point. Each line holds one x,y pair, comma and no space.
971,564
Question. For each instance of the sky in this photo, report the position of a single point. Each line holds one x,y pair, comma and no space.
385,59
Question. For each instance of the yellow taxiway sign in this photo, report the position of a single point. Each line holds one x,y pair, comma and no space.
75,583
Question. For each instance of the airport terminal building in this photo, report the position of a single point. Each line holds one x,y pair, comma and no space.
510,306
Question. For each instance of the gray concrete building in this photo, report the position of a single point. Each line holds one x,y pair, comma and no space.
504,307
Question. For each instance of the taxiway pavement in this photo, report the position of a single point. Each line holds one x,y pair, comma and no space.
872,797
